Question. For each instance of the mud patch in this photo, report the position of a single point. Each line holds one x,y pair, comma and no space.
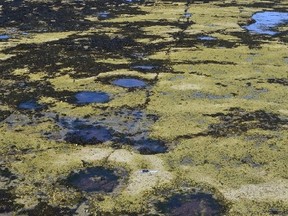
266,22
94,179
239,121
191,204
87,97
129,83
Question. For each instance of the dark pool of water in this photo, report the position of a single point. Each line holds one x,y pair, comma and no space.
144,68
83,134
129,83
4,37
87,97
133,1
94,179
267,21
104,15
30,105
150,146
193,204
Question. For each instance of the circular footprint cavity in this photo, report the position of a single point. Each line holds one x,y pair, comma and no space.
87,97
88,135
30,105
94,179
191,204
129,83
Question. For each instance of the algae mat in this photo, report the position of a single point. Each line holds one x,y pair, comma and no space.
199,126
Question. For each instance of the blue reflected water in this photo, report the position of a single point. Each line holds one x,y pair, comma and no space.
87,97
266,22
206,38
4,37
129,83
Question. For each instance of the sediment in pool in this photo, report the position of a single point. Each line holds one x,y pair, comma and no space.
94,179
86,97
84,134
191,204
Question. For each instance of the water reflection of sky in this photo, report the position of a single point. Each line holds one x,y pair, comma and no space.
266,21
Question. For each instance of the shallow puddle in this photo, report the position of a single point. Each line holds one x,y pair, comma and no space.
87,97
206,38
4,37
88,135
129,83
144,68
194,204
30,105
266,22
94,179
150,146
104,15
